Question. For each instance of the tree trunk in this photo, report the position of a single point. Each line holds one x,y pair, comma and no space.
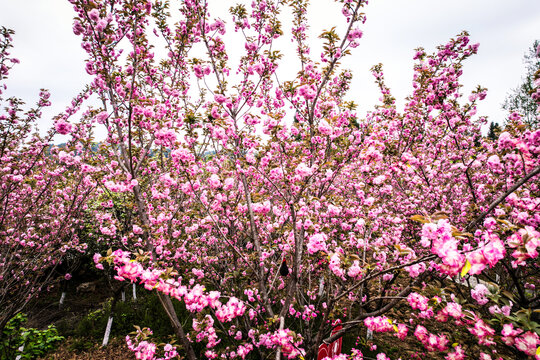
175,322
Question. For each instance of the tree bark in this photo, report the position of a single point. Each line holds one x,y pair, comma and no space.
177,326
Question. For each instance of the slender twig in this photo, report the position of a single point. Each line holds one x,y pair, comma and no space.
501,198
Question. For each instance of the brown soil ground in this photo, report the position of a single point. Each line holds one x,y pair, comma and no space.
68,350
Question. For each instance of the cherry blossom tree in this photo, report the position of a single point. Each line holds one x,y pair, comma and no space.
230,172
41,197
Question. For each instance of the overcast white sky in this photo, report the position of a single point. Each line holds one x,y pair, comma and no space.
51,56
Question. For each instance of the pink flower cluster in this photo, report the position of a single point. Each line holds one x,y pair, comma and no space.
145,350
317,242
355,271
526,342
303,171
201,71
457,354
479,293
384,324
206,331
490,251
444,245
505,310
121,187
525,242
417,301
431,341
307,91
483,332
335,265
284,339
452,309
195,299
416,269
63,127
232,309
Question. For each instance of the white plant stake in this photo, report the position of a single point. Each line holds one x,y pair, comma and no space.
369,334
107,332
62,298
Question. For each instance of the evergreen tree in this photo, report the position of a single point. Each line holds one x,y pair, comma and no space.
494,131
520,100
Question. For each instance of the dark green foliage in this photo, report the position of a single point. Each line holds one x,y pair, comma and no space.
36,342
494,131
146,311
80,345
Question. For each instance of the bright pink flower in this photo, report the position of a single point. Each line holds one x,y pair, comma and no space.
484,356
63,127
130,271
324,128
355,270
317,242
457,354
307,91
402,331
214,181
303,170
528,343
483,332
479,294
453,309
335,265
494,251
379,324
478,262
94,14
417,301
416,269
